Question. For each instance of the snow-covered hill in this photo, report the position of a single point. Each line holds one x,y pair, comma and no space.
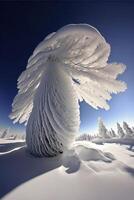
86,172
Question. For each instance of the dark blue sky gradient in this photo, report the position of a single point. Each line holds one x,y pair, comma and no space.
24,24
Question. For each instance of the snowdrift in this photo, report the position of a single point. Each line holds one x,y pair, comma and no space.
87,171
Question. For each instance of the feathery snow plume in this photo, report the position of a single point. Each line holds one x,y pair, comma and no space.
68,66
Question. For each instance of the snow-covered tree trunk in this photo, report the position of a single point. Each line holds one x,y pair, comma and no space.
54,120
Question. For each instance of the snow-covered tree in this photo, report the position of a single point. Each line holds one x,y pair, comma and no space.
133,129
128,130
109,134
113,134
102,130
68,66
83,137
95,135
120,131
5,133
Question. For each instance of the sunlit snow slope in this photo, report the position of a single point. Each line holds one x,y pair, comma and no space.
87,171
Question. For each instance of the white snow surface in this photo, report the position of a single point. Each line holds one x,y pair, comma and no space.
85,172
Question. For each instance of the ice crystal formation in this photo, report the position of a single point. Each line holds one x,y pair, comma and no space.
68,66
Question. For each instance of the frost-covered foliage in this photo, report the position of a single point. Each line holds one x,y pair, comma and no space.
68,66
120,130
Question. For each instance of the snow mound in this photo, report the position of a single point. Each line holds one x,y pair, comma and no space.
74,158
88,154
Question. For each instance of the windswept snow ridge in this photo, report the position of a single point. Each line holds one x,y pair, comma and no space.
68,66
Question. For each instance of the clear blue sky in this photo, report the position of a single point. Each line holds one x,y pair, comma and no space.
24,24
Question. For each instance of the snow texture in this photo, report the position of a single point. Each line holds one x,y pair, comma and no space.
91,171
68,66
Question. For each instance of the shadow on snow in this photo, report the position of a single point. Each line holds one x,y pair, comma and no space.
18,166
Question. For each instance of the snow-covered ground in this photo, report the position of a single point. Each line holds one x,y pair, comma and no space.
87,172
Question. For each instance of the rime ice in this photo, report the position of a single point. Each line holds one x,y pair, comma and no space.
68,66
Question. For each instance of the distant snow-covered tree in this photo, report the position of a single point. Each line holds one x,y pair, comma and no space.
102,130
113,133
128,130
109,134
5,133
120,130
83,137
133,129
